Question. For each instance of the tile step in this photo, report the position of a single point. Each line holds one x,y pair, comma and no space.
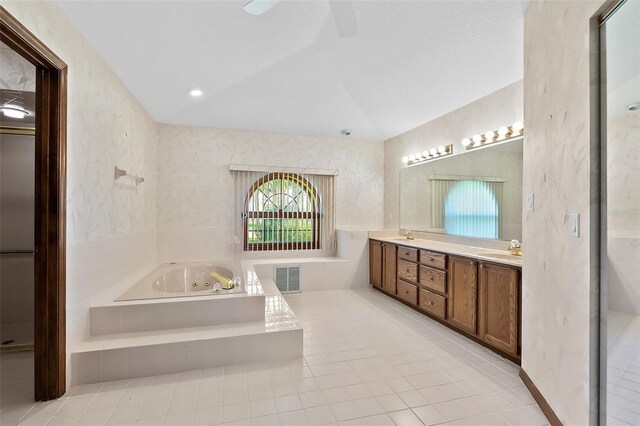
130,355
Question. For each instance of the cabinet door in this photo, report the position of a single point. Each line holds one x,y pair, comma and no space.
463,293
375,263
498,307
389,272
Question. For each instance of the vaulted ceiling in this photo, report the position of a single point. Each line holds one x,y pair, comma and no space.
289,71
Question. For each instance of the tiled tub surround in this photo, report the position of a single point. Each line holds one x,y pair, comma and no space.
148,337
623,368
186,279
367,360
347,269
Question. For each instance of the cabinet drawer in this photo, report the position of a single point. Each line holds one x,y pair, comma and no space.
408,271
408,292
435,260
433,279
408,253
433,303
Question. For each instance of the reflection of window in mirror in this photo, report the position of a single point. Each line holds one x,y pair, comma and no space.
486,202
468,206
472,208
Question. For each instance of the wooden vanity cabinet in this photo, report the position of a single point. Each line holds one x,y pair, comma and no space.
375,263
463,294
408,292
389,270
482,300
498,302
382,265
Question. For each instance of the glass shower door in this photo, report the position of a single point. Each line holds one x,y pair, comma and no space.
620,52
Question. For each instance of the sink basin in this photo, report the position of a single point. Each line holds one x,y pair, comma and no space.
500,256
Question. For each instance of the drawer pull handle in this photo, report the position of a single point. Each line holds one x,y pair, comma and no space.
472,263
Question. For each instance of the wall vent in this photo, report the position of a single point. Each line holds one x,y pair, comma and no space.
287,278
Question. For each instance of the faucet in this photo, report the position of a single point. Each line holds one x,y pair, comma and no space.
408,234
515,247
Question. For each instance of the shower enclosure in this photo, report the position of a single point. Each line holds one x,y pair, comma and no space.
620,248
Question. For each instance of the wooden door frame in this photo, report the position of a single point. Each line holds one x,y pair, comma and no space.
50,206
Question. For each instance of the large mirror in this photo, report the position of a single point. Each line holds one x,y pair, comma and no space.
474,194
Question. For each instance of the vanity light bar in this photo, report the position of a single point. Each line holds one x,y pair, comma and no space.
427,155
502,134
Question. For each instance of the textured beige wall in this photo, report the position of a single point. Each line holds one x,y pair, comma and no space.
500,108
561,169
195,187
110,225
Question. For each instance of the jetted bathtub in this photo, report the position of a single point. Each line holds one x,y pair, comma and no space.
184,279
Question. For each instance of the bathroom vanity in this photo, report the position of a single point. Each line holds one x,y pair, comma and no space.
472,290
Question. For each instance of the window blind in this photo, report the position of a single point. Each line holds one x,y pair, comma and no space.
284,210
467,206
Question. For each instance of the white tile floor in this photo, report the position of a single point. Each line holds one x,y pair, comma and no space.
368,361
623,369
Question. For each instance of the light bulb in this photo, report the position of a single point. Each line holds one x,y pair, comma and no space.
477,139
442,149
425,153
466,142
412,157
418,155
405,159
489,136
502,132
195,92
13,111
517,126
433,151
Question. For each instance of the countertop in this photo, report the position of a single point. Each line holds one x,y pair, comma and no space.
493,256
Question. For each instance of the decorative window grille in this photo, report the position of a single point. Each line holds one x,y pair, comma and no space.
285,210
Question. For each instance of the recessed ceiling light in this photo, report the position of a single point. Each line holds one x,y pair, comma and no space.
634,107
345,132
195,92
14,111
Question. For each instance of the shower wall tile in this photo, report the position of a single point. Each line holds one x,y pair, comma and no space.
560,295
623,274
623,175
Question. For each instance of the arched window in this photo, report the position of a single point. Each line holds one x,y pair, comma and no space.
471,208
282,212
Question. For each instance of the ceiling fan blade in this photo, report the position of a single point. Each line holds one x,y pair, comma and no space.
258,7
344,18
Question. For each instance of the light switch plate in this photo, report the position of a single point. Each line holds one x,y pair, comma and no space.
574,225
530,203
